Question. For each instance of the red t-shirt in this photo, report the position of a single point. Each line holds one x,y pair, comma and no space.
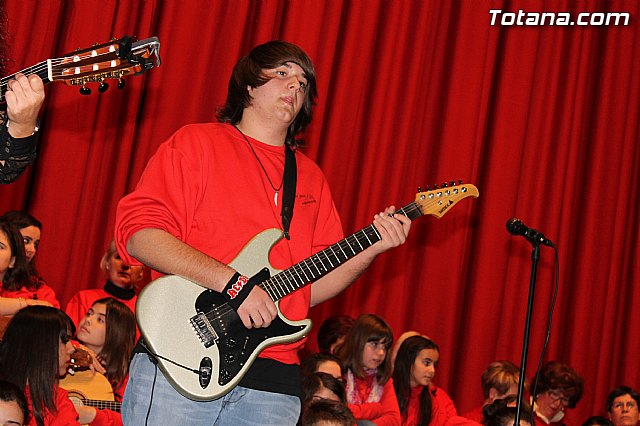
205,187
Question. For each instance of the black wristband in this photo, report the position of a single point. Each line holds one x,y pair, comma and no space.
237,289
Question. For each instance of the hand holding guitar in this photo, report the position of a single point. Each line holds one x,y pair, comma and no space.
393,229
255,309
24,97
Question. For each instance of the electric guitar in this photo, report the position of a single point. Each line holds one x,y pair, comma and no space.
200,343
113,60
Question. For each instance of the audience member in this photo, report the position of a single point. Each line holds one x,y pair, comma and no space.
419,400
597,421
404,336
370,393
14,409
121,282
108,330
622,406
323,412
323,385
14,269
558,387
30,285
499,380
332,332
35,352
321,362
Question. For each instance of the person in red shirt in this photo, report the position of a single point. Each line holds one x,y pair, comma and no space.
33,286
36,351
499,380
558,387
370,389
108,330
14,269
421,403
208,191
121,285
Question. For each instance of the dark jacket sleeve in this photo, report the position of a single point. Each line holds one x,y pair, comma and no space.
15,154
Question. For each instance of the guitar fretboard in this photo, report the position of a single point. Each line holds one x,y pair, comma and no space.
325,261
41,69
103,405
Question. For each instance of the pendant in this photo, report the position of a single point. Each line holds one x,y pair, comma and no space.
275,198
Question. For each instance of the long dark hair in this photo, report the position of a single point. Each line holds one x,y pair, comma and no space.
21,220
119,340
32,339
249,71
18,275
407,354
367,328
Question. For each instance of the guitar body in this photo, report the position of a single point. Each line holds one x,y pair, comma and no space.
234,347
90,389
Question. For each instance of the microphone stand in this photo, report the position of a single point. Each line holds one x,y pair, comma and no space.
535,257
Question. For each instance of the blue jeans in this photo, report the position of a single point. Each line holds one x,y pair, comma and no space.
165,406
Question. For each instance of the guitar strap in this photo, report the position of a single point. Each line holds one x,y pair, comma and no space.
289,190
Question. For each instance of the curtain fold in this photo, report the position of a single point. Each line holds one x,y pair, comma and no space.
542,119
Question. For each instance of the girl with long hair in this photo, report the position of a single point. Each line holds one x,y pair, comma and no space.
421,403
108,330
369,387
14,269
35,352
33,286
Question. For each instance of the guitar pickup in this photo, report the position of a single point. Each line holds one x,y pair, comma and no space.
205,332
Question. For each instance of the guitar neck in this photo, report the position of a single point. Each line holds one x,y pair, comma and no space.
325,261
103,405
40,69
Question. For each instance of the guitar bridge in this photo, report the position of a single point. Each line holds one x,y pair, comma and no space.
205,332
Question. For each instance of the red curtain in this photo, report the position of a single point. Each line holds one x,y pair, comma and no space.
542,119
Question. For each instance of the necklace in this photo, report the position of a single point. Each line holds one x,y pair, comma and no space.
277,190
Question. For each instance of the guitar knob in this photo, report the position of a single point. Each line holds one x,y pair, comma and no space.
120,83
229,358
225,375
103,87
231,342
84,90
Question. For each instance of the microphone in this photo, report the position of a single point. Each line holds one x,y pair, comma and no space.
516,227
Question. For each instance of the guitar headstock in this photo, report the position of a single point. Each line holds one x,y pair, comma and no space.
113,60
439,201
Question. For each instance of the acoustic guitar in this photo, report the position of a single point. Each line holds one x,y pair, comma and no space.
113,60
90,389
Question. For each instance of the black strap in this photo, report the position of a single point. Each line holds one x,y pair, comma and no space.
289,190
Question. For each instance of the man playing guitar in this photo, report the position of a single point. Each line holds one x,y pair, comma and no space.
205,193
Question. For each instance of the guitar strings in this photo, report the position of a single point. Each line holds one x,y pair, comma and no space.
270,285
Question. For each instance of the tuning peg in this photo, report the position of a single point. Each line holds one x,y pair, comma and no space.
120,83
84,90
419,189
444,184
459,181
103,87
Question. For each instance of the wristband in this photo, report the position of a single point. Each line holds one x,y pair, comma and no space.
237,290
